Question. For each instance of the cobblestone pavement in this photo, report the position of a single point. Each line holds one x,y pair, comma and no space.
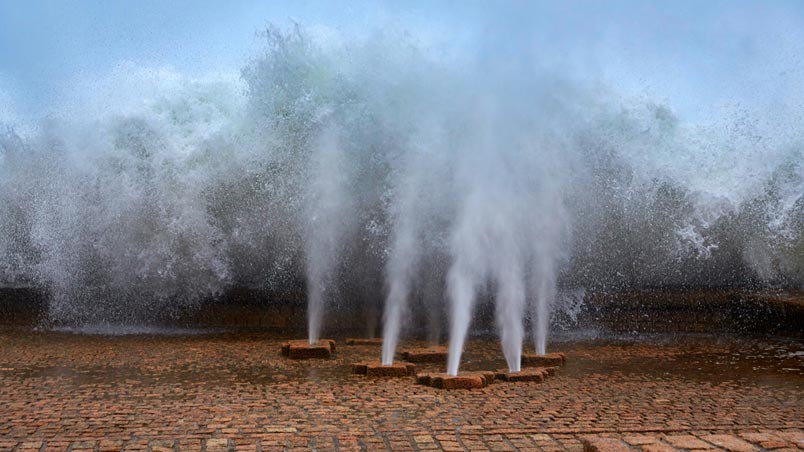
234,392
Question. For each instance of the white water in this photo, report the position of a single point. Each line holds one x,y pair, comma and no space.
331,162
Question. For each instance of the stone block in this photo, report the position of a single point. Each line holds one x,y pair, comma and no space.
488,375
469,380
546,360
730,443
302,349
217,445
602,444
360,368
377,369
458,382
537,374
688,442
434,354
640,439
658,447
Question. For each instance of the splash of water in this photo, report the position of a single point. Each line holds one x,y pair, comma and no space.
326,226
335,166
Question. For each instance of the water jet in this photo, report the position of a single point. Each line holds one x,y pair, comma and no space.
330,167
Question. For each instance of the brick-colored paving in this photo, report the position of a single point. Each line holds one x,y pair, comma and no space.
235,392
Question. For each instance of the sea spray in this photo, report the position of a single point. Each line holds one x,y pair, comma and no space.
379,168
325,229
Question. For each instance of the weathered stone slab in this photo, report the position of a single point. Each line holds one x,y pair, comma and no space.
546,360
658,447
602,444
688,442
458,382
730,443
360,368
323,349
433,354
640,439
217,444
469,380
377,369
537,374
487,375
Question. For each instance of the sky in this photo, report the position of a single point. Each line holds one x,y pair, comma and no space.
696,56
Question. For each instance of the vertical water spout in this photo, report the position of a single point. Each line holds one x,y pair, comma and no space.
328,210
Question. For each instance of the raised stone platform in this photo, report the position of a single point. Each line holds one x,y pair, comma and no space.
467,380
546,360
302,349
367,341
537,374
432,354
377,369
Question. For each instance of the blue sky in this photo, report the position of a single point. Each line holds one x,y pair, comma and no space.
694,55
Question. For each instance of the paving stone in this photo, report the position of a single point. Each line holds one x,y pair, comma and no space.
658,447
640,440
56,446
762,437
601,444
217,445
730,443
190,445
451,446
688,442
106,445
794,436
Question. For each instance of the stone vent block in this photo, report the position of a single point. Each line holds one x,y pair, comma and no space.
377,369
546,360
468,380
434,354
302,349
537,374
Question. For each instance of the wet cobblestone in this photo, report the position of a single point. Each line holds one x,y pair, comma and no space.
234,392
